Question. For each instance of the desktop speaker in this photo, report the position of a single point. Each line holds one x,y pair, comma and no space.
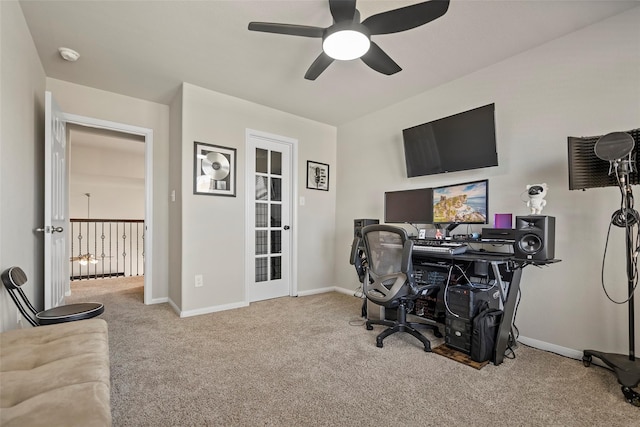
535,237
358,224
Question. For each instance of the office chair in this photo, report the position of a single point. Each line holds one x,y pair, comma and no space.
389,280
13,278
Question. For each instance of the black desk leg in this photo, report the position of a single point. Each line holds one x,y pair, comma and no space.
507,318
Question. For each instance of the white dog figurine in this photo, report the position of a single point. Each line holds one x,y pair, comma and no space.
536,193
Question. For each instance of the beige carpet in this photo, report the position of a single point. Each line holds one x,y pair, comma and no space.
309,361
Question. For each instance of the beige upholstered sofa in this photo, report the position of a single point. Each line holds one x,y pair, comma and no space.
55,375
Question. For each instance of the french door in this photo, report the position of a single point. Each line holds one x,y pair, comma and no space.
269,236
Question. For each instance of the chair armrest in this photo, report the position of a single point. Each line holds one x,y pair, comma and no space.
355,246
356,258
406,266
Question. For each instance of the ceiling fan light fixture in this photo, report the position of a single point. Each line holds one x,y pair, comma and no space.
346,41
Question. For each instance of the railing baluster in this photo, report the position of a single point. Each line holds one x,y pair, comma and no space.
71,249
107,237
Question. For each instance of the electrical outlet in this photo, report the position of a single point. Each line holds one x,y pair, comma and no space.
199,281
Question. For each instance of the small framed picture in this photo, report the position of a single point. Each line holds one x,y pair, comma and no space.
317,176
214,170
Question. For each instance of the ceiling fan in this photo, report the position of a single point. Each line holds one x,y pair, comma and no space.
85,259
348,38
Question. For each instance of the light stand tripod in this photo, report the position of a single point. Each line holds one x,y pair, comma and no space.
626,368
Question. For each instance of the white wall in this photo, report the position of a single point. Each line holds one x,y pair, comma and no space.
587,83
213,227
114,178
22,86
99,104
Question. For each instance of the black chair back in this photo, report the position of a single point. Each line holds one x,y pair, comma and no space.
389,275
13,278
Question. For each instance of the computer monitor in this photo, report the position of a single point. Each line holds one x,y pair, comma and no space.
466,203
408,206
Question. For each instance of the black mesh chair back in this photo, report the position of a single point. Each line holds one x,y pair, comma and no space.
14,278
389,275
389,281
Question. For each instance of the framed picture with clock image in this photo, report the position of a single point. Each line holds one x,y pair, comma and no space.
214,170
317,176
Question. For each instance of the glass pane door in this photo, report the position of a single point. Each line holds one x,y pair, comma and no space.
268,215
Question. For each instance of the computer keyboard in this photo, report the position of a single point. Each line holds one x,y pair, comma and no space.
436,247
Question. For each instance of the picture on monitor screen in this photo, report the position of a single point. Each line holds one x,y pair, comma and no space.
466,203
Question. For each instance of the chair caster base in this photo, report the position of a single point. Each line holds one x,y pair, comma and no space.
631,396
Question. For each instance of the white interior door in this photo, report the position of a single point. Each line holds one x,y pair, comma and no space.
56,259
269,216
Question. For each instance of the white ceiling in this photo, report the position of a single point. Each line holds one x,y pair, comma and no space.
145,49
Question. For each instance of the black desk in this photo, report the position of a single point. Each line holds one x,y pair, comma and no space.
504,269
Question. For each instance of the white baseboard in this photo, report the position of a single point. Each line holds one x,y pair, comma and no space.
213,309
552,348
325,290
541,345
174,306
159,300
315,291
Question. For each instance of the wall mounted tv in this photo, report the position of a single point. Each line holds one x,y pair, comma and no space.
455,143
466,203
409,206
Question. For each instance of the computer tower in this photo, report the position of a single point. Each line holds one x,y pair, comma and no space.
358,224
432,306
464,300
458,333
463,303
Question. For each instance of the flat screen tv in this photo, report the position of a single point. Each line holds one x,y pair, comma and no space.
466,203
460,142
408,206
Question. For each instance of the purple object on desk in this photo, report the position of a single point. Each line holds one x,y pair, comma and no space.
502,221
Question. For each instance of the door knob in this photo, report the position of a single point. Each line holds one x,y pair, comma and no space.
48,229
286,227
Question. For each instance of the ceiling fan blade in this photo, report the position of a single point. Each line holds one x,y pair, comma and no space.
319,65
288,29
406,18
342,10
380,61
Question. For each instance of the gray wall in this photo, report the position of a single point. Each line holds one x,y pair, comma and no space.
587,83
213,228
22,85
175,206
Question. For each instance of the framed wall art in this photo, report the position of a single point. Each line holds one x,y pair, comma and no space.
214,170
317,176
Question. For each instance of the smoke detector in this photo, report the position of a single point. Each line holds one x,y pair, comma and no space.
69,54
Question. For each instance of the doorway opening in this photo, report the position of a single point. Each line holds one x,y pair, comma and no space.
106,203
105,189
